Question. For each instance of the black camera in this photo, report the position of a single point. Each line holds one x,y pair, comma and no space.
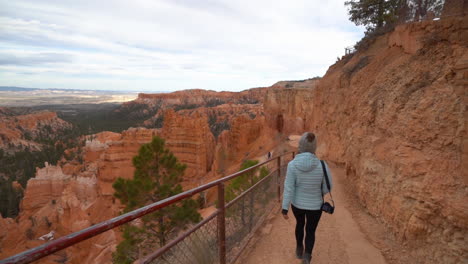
327,208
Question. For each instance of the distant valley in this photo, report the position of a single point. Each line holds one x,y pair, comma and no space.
26,97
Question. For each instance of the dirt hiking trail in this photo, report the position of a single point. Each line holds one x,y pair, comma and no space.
339,238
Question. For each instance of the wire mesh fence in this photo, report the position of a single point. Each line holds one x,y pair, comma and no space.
246,213
243,215
200,247
219,238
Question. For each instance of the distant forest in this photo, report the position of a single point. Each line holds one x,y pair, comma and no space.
95,118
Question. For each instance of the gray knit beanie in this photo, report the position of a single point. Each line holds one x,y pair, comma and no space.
308,143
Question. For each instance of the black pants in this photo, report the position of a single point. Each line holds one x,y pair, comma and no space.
312,217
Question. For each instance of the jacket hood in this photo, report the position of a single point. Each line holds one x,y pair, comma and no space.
306,161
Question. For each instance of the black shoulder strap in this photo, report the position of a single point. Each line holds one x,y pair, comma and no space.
325,175
327,181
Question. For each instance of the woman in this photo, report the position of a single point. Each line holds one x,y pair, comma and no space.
303,189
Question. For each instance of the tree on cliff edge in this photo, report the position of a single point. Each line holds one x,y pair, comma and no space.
383,14
157,176
374,14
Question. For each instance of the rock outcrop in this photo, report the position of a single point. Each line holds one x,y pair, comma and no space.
191,141
283,112
395,115
241,134
21,131
247,139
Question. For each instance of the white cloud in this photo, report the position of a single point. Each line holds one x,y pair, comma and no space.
169,45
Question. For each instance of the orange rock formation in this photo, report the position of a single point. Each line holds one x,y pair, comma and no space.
190,139
13,129
70,197
74,195
395,115
201,97
283,112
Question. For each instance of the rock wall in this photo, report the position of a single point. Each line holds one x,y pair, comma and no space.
395,115
286,114
248,139
191,141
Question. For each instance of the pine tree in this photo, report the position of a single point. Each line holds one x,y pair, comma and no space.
10,198
239,185
243,182
374,14
157,176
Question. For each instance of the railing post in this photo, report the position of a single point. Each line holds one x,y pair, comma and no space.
221,224
279,179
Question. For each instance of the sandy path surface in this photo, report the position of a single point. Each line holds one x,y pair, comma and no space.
338,238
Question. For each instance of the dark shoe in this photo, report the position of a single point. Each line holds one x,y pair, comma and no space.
299,252
307,258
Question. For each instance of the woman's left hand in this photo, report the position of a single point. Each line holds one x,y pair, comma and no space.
285,216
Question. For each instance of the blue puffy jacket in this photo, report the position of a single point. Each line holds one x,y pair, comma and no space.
304,178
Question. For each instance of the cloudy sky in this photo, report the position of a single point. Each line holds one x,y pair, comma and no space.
167,45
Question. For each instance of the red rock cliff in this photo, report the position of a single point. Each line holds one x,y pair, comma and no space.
395,115
284,113
191,141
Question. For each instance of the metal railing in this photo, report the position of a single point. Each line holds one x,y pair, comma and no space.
350,50
206,242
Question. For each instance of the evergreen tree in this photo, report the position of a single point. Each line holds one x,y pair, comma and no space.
9,198
157,176
246,180
374,14
243,182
